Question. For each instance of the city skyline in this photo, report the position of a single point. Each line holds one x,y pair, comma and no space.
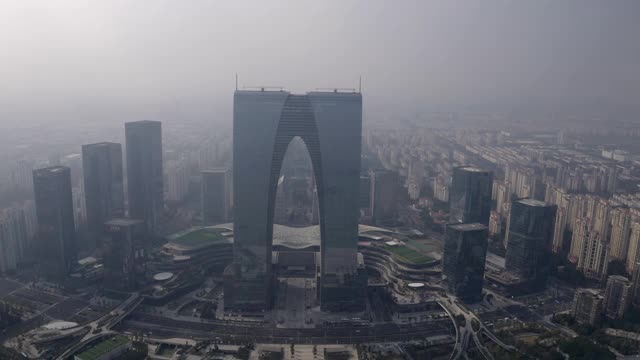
334,180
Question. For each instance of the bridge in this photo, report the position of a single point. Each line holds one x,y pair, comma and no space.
471,330
102,327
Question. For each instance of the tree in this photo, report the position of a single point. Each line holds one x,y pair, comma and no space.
617,267
582,348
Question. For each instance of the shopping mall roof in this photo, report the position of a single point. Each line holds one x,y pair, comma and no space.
102,348
196,238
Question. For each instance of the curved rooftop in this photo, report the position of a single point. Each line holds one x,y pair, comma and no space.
60,325
163,276
299,238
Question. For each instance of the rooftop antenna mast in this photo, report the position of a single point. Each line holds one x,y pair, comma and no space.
360,85
236,81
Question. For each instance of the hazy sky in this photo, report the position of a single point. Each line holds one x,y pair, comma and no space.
73,58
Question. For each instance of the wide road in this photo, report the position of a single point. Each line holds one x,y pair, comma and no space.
165,327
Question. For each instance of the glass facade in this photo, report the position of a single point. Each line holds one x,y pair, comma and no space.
103,184
530,239
465,252
123,253
56,248
265,122
144,173
216,197
470,195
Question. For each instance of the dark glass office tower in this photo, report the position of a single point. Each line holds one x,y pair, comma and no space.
470,195
530,238
465,251
123,252
384,196
365,192
144,173
56,250
103,185
216,196
330,124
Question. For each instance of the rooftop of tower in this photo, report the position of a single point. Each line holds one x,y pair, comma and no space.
472,169
278,89
102,143
467,226
123,222
141,122
533,202
51,169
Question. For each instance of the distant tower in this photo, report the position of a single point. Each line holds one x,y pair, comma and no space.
470,195
103,185
56,249
216,196
365,192
13,238
384,195
530,239
465,251
144,173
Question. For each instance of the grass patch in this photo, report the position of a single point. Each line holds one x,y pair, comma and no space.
199,237
103,348
408,255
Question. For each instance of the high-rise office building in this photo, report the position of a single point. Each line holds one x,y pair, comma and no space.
56,247
617,296
12,239
123,252
176,180
103,185
365,192
216,196
79,208
465,252
144,173
330,124
530,239
470,195
21,175
384,195
587,306
74,163
28,209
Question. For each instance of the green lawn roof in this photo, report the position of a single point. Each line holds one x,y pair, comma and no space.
408,255
199,237
103,348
